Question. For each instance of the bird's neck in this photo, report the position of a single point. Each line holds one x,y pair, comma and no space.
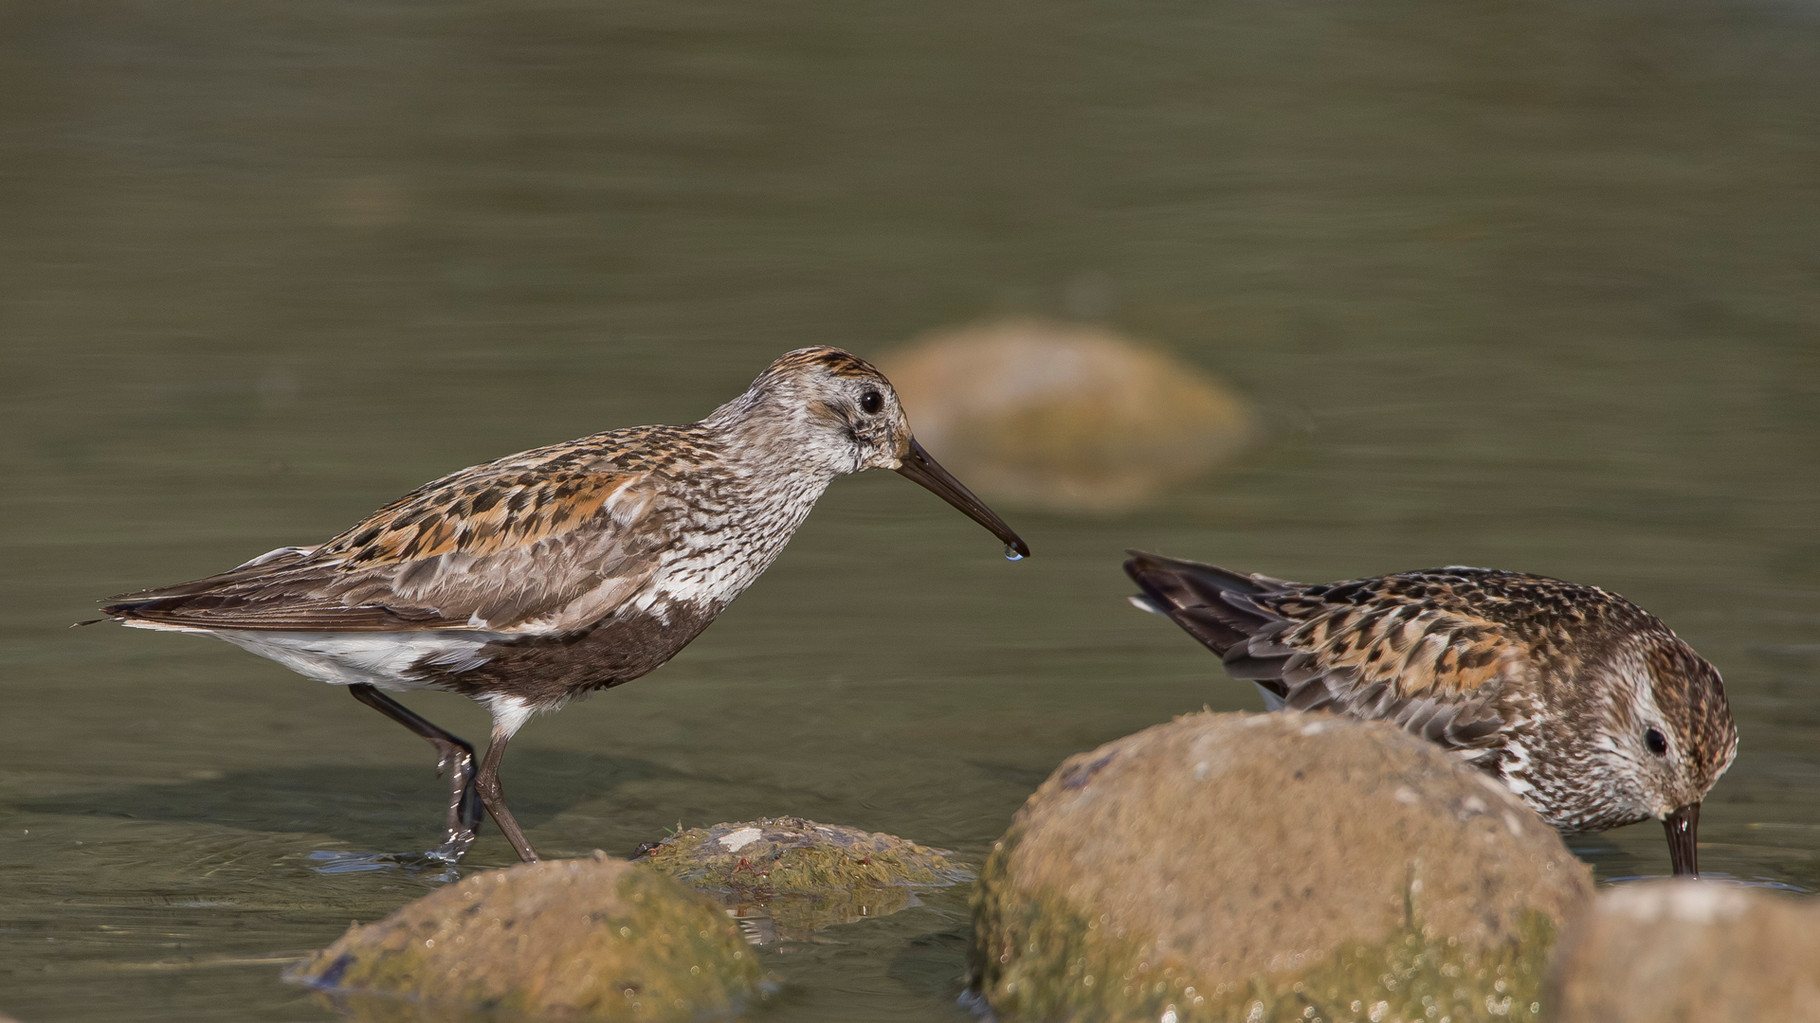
772,440
740,512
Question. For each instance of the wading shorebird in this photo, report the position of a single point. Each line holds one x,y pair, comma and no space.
1584,704
531,580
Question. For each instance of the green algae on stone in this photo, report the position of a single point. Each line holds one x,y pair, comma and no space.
1413,977
1270,867
592,939
1070,968
802,874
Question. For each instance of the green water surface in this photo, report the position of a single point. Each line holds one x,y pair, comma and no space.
1528,284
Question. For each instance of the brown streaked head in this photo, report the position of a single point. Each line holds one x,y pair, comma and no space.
833,410
1672,734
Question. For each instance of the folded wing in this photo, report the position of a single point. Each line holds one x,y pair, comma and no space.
1404,649
537,544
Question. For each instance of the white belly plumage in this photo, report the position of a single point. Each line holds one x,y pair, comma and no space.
385,659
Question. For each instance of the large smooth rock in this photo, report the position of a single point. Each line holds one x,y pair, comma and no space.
1693,951
1270,867
798,876
1064,416
597,939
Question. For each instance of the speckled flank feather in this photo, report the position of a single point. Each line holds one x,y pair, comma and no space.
1547,683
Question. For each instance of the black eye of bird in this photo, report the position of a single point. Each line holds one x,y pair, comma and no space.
871,402
1656,741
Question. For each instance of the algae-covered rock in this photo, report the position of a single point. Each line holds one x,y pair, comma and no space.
1690,950
587,939
1271,867
802,875
1064,415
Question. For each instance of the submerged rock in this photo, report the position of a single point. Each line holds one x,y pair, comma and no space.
1690,950
1270,867
1065,415
802,875
596,939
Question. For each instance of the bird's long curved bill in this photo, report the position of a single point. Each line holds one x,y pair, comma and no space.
918,466
1683,851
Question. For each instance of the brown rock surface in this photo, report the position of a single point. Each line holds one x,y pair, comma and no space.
1064,415
1689,951
1278,866
597,939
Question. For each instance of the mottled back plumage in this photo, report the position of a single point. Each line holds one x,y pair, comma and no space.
1583,703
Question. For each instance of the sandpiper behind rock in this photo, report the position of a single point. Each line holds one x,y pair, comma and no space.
1584,704
531,580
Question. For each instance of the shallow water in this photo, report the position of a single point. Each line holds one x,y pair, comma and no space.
1534,286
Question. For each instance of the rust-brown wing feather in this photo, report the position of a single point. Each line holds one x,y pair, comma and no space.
542,542
1409,649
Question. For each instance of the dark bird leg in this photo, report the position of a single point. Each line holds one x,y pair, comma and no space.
457,760
495,797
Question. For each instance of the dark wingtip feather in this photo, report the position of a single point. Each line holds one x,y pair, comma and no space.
1242,665
1210,603
1205,578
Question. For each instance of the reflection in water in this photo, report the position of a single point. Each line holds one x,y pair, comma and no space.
1527,287
330,861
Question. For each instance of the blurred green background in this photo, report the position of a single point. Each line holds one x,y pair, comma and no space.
1523,283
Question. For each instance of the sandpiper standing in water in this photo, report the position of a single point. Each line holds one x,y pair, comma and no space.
1583,703
531,580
